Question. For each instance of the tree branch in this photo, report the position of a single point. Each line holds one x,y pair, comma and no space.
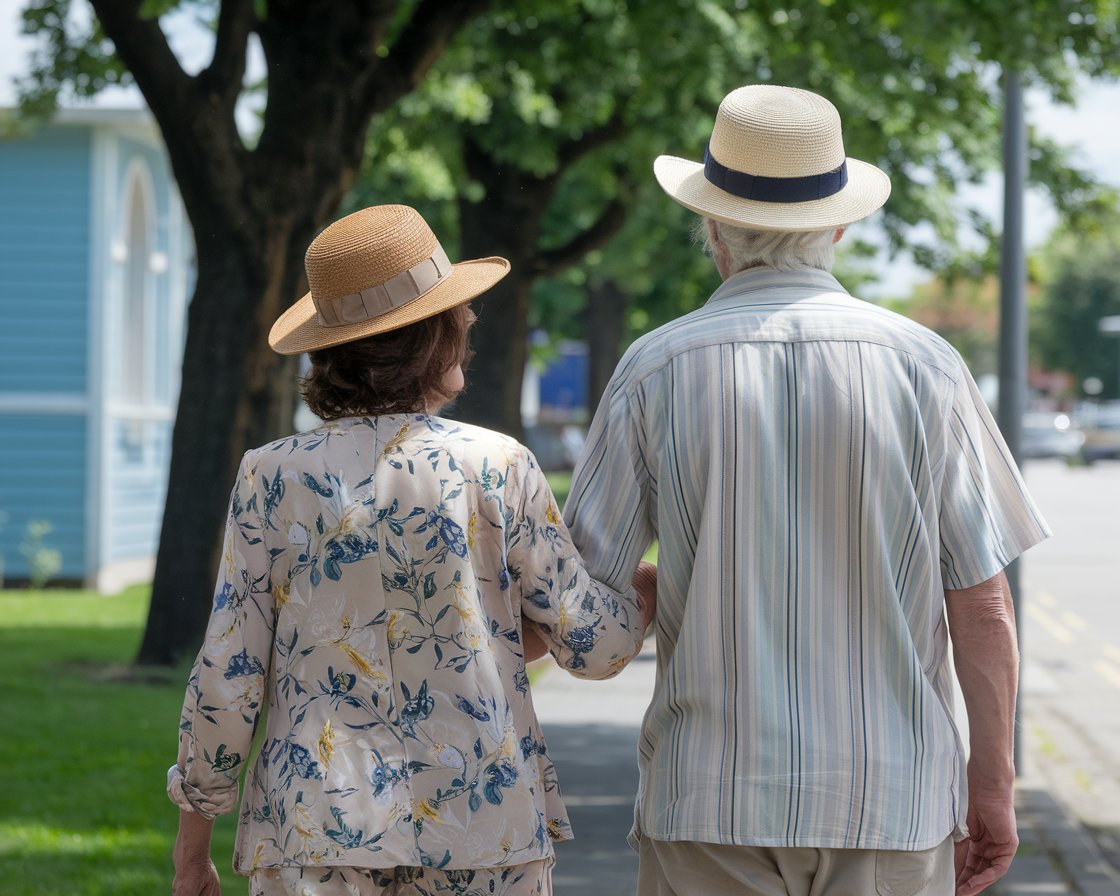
609,131
429,30
201,137
551,261
142,47
224,75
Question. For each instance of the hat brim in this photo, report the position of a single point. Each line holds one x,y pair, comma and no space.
298,329
865,192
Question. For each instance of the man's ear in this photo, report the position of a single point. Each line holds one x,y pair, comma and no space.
839,233
720,255
713,234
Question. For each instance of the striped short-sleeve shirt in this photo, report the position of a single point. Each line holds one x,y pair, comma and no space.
817,471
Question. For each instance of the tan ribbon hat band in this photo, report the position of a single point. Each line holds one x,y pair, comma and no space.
394,292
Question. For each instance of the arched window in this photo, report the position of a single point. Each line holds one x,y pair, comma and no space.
138,299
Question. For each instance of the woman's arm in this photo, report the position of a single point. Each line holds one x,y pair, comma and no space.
533,642
227,684
645,584
592,630
195,874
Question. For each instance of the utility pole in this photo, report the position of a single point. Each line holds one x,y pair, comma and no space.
1110,326
1013,311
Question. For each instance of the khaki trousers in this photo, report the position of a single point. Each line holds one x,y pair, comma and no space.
531,879
688,868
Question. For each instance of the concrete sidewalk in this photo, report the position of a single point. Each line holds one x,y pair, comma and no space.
592,733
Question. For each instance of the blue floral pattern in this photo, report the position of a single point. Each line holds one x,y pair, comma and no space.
376,577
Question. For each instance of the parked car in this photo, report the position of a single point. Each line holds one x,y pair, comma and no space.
1101,424
1046,434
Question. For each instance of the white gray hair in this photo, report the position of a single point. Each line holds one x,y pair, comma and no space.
781,250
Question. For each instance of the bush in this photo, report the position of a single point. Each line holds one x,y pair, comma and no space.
43,563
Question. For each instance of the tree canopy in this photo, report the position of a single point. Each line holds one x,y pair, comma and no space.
551,115
1081,287
529,132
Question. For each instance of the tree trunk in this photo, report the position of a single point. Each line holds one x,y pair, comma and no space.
235,393
253,213
507,223
500,339
606,325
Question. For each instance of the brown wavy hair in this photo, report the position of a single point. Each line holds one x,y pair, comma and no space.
399,372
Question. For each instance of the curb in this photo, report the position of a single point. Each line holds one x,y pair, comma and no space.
1056,854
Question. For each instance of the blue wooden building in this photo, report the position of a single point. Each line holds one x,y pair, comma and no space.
95,262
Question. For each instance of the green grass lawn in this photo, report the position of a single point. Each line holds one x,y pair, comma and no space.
561,484
85,749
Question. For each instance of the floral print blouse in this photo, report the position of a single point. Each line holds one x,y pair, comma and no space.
373,583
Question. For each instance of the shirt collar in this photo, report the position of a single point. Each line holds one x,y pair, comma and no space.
755,284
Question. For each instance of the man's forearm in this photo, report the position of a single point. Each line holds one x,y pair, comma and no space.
986,654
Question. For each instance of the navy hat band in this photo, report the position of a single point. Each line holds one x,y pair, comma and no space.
773,189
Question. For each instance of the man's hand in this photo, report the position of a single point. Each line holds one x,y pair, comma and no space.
645,583
984,857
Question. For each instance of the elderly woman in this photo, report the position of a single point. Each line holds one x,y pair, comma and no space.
383,578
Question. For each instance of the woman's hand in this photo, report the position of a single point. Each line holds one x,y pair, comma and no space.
532,641
196,878
195,874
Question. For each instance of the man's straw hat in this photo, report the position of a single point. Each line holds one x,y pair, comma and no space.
775,161
373,271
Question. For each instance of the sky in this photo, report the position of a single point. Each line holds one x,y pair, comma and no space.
1091,129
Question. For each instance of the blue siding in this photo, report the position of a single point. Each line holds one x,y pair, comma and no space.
43,477
138,484
45,267
44,261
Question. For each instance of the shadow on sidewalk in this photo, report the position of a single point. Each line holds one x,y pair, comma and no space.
598,773
598,776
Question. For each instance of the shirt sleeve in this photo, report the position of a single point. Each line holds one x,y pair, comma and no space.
987,516
593,630
609,508
227,683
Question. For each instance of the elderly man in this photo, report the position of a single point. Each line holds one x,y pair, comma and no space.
832,500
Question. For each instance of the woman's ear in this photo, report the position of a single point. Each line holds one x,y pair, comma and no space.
839,233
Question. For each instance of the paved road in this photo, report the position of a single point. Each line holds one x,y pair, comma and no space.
1071,644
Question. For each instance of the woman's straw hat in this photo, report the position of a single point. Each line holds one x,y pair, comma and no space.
373,271
775,162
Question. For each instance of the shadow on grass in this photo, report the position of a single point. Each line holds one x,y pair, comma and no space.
83,761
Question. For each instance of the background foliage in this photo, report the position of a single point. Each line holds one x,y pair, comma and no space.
525,128
1081,271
